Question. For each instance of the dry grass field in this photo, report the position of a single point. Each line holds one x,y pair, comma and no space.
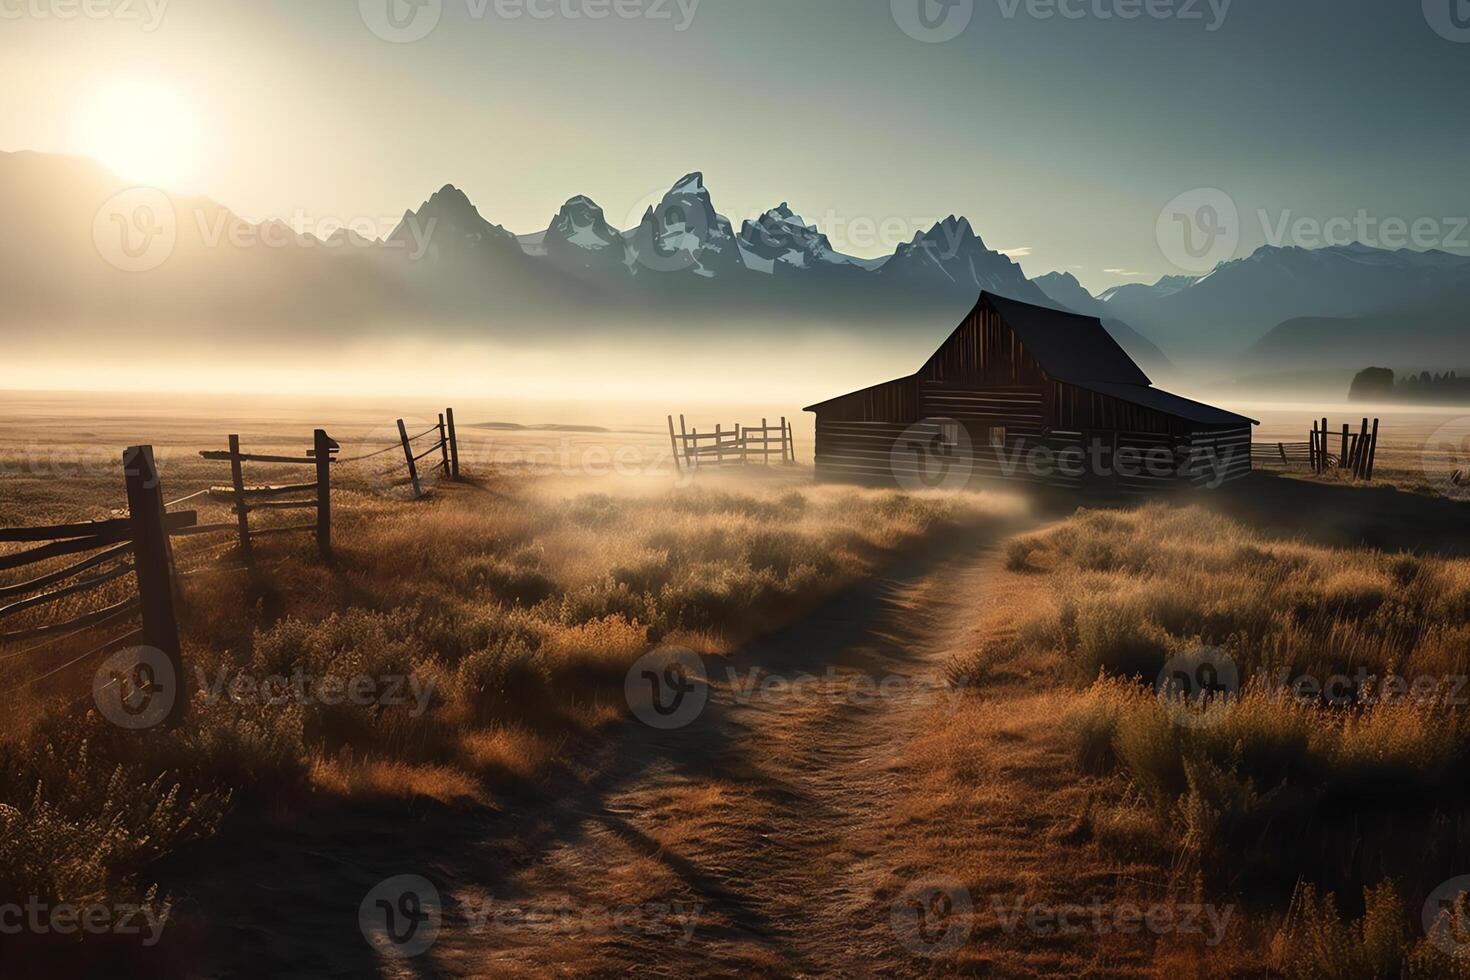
506,608
1321,791
1017,753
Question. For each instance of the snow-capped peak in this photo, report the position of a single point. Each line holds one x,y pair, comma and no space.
689,184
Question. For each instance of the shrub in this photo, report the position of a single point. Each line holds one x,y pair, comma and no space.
1316,944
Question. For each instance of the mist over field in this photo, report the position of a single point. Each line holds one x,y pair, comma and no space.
734,489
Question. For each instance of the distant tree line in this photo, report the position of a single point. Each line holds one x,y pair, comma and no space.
1380,384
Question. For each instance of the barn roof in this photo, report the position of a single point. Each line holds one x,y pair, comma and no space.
1170,404
1069,346
860,391
1079,350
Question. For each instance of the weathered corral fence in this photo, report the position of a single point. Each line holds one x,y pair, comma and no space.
447,446
737,445
279,497
139,544
1355,451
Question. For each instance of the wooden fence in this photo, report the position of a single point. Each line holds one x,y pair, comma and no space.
142,536
1356,451
738,445
139,544
248,499
447,446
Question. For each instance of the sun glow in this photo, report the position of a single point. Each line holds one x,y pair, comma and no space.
142,130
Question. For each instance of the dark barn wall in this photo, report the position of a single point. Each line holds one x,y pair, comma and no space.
856,433
983,351
1231,447
983,377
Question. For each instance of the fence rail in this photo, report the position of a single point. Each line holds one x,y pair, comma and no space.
143,535
739,445
1356,451
247,499
139,545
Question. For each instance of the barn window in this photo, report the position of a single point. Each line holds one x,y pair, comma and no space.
997,437
949,435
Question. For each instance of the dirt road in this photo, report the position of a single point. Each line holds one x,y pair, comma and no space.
777,833
772,826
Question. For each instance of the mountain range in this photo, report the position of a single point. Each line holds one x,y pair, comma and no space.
1283,306
683,267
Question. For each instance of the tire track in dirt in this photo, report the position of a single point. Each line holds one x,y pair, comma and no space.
779,814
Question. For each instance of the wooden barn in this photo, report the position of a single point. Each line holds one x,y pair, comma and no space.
1029,393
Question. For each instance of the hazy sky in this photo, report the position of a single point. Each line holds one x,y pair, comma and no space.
1058,126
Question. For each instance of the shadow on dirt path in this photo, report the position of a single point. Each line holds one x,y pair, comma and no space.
755,840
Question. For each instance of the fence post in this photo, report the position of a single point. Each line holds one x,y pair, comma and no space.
1372,452
719,445
242,512
154,567
323,446
674,446
765,443
1360,452
444,444
791,441
783,440
453,446
413,470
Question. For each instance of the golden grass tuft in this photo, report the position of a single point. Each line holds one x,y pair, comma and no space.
389,780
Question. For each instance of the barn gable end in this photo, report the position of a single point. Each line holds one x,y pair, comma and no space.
1018,378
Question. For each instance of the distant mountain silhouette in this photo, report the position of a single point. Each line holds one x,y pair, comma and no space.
1431,334
681,269
682,265
1230,310
220,269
